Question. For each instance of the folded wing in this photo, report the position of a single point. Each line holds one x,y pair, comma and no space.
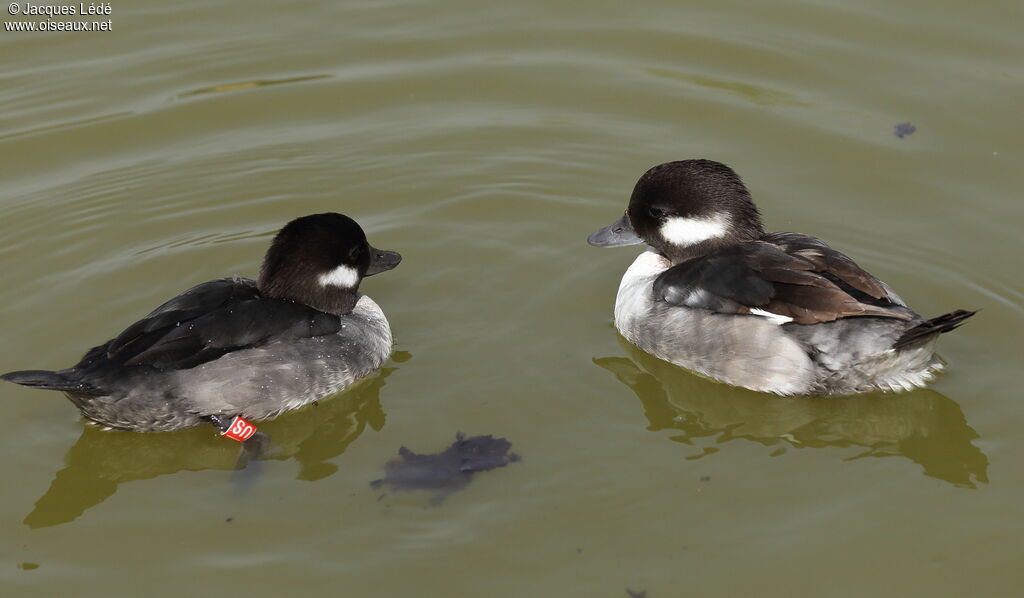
789,274
213,319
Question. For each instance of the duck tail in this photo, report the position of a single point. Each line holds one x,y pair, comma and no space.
929,328
48,380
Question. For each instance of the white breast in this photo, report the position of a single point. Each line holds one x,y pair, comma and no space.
369,309
634,299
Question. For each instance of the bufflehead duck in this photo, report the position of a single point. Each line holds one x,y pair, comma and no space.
241,347
773,312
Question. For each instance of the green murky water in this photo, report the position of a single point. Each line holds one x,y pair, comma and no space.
484,142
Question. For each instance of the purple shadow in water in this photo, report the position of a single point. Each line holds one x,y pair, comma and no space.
449,470
903,129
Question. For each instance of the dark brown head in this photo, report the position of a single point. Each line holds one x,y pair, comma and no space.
319,260
685,209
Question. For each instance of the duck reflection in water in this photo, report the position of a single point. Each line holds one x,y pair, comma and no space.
101,460
923,425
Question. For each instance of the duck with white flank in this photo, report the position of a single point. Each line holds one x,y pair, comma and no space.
774,312
237,347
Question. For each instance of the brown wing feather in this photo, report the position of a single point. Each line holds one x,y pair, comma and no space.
797,277
844,269
810,304
802,270
788,274
826,259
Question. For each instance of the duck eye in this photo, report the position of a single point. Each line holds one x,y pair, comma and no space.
655,213
355,253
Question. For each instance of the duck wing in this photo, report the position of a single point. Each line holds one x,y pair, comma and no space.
212,319
193,303
787,274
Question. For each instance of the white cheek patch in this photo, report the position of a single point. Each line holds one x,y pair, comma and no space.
342,276
690,231
775,318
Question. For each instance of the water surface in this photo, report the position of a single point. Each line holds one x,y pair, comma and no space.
484,142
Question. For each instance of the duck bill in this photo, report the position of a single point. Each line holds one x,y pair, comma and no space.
382,260
617,234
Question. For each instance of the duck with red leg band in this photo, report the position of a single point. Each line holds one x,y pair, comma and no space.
236,428
240,429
